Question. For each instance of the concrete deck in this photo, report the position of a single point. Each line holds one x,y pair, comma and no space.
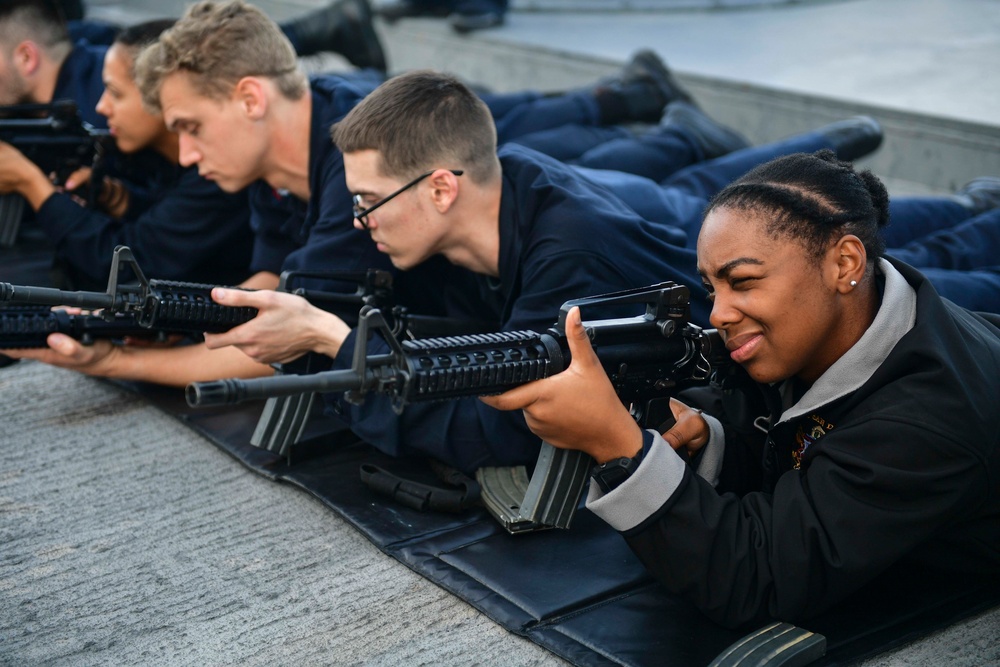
127,539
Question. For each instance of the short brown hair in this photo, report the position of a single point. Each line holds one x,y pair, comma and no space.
218,44
39,22
423,120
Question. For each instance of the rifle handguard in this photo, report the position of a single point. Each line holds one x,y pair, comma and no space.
179,306
478,364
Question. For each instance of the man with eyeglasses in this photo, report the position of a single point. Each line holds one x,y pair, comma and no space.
525,232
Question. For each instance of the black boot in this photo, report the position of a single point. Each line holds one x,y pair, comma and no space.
640,92
344,27
853,138
713,138
402,9
646,66
980,194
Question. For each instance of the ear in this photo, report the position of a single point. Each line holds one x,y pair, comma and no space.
444,189
851,263
252,96
27,58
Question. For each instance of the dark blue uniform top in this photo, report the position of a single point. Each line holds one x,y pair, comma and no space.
80,80
561,238
182,227
318,235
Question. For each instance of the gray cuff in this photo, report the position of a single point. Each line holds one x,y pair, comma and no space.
710,464
642,494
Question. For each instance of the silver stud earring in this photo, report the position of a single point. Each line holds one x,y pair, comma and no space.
854,283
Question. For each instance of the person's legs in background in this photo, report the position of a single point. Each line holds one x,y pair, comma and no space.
470,15
914,217
637,94
850,139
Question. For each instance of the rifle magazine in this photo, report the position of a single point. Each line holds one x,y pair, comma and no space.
548,500
282,422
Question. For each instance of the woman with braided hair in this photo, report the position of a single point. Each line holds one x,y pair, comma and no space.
864,435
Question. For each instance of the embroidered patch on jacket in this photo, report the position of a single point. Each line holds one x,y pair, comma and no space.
806,435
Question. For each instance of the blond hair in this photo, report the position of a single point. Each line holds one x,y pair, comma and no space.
216,45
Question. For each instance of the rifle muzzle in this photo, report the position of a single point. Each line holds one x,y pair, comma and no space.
217,392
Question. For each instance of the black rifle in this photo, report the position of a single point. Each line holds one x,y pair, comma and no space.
648,358
55,138
161,307
154,305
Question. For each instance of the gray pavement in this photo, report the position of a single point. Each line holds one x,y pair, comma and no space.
127,539
927,56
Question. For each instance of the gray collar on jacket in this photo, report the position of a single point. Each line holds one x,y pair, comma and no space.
895,317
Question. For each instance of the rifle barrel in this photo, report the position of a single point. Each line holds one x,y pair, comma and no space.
232,391
47,296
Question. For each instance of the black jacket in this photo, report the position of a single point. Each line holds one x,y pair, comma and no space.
899,460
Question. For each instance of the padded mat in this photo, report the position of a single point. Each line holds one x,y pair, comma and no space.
580,593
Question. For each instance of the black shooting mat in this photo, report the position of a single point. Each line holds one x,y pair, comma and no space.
580,593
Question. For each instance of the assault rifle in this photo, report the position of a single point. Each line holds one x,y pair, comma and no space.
153,305
54,137
161,307
647,358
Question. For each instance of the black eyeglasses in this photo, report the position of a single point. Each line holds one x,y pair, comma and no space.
360,212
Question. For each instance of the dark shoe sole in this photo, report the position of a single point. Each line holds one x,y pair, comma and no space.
466,23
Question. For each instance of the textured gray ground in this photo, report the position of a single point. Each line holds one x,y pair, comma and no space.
125,538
